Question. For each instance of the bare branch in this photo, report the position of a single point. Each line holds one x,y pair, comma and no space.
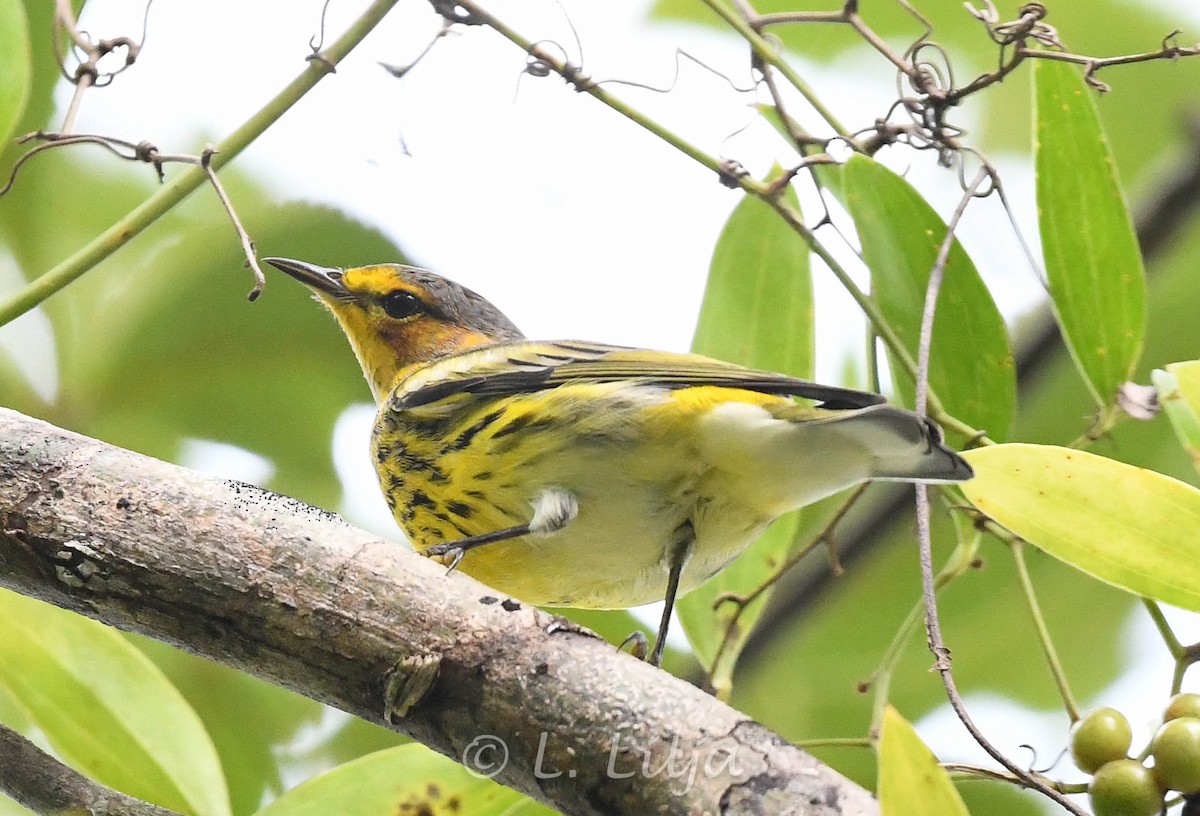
44,785
292,594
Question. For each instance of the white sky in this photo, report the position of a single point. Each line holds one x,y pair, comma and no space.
571,218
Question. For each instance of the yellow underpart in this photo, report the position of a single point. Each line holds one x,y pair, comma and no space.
637,458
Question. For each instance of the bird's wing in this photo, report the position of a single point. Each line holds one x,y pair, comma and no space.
520,368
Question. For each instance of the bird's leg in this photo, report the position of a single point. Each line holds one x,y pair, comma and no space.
459,547
553,510
676,558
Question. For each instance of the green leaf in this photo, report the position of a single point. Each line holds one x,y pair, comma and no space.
1093,264
901,236
911,782
758,303
225,700
106,709
177,307
1179,394
1131,527
407,779
757,311
15,67
10,808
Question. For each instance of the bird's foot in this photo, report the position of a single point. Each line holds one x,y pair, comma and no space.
448,554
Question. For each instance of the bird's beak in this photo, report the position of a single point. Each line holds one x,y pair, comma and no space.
318,278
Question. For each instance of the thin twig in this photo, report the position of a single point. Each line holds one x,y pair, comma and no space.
976,772
768,54
742,602
84,76
87,74
834,742
1039,622
962,559
141,152
177,189
937,645
679,52
1184,656
260,280
147,152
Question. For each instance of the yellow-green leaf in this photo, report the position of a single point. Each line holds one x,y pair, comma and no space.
106,709
1093,263
757,311
15,67
407,779
10,808
1179,394
1131,527
911,782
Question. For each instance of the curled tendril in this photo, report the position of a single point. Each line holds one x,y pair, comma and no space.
88,52
939,71
680,54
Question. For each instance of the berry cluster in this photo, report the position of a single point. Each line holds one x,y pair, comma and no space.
1122,786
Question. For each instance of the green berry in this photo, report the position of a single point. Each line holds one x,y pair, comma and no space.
1182,705
1125,787
1176,750
1099,737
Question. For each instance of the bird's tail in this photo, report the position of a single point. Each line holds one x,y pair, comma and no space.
905,447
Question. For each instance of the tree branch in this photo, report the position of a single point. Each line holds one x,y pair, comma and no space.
294,595
44,785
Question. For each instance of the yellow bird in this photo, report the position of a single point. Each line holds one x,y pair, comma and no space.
587,475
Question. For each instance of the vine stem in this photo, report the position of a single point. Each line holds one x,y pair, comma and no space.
186,182
882,327
1039,622
572,74
1180,653
763,49
933,626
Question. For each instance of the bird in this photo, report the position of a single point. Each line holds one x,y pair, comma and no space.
582,474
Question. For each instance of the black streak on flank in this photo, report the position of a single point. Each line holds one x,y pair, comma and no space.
460,509
426,427
484,475
514,425
466,436
406,459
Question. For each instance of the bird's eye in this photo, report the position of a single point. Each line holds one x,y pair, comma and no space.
401,304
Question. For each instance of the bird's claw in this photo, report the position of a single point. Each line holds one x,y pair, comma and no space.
638,645
443,553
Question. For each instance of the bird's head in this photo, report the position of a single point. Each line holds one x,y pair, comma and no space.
400,316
